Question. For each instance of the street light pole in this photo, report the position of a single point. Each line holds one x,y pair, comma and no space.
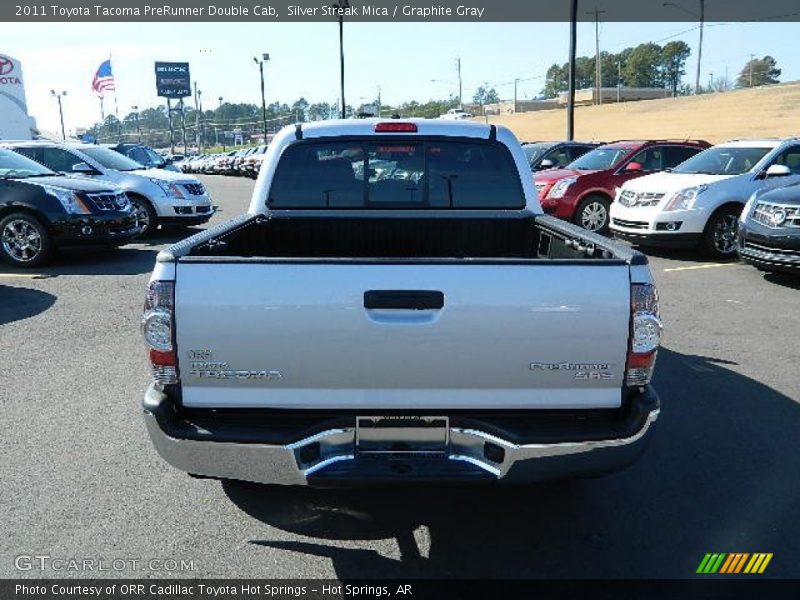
460,98
516,81
342,5
573,41
598,66
260,63
702,17
136,116
223,127
57,96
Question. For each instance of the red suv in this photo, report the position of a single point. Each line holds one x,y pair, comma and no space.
583,191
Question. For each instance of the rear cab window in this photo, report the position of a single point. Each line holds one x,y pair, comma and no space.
391,173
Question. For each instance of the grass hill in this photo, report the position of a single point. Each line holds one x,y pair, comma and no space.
765,111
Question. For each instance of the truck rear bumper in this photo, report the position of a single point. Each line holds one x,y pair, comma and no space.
331,457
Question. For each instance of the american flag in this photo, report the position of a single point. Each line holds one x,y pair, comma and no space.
103,79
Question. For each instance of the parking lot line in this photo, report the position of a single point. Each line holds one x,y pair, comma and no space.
696,267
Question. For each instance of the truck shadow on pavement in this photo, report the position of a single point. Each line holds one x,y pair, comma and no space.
17,303
720,475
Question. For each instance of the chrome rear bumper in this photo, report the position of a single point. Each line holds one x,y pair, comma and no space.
331,457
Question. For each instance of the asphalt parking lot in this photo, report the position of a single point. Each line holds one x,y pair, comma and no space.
80,478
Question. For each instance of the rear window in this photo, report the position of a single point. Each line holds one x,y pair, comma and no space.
396,174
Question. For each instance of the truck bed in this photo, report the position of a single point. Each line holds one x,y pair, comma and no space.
463,235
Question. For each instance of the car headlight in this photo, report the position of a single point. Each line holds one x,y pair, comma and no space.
69,200
560,187
749,206
169,188
685,199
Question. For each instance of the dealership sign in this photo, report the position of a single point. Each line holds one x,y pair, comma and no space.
172,80
15,124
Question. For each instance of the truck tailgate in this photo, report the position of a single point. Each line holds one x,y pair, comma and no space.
423,335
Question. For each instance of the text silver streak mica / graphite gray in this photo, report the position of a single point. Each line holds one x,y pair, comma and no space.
397,307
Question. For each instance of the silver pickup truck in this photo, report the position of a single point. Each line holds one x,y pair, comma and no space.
395,307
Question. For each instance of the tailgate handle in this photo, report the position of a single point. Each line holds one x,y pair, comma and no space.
403,299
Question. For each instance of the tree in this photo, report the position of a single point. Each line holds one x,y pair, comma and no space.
485,96
673,60
759,71
644,67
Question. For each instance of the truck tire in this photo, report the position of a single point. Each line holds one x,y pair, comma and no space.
24,241
592,213
145,215
719,236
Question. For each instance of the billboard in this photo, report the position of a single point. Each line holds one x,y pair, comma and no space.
172,80
15,124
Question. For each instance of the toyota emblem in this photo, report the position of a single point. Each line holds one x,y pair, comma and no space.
6,65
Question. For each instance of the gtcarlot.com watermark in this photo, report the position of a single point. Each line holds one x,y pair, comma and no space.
45,562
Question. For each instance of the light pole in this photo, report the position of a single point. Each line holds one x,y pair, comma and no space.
516,81
342,5
202,120
573,46
702,17
458,69
260,63
598,67
57,96
223,127
135,110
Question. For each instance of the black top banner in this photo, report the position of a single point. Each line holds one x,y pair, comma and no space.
408,10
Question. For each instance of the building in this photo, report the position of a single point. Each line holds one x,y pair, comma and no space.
588,96
15,123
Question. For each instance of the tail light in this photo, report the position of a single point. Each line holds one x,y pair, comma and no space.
395,127
158,328
645,336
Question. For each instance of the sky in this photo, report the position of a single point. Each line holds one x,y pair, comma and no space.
409,61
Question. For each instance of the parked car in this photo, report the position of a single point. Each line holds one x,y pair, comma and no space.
251,165
456,114
582,192
769,230
42,211
698,203
418,329
145,156
158,196
555,155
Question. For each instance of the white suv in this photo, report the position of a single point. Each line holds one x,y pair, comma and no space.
158,196
699,202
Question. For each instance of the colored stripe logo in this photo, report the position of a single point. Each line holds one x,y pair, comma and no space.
734,563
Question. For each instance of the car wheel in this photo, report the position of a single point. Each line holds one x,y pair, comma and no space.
145,215
592,214
24,241
719,237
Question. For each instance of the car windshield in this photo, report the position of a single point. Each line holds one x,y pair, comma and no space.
599,159
110,159
723,161
154,156
535,151
16,166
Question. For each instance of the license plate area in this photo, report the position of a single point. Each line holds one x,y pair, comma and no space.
402,434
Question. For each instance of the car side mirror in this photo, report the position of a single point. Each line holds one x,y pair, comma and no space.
83,169
778,171
546,164
633,167
167,161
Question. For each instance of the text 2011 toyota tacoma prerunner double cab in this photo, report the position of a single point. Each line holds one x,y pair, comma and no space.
396,307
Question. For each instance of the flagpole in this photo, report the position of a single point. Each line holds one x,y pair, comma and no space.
116,104
102,110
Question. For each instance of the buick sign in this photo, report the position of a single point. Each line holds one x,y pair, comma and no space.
172,80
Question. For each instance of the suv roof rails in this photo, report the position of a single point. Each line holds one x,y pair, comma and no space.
663,141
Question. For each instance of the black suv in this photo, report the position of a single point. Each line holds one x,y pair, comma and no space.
555,155
41,210
769,230
144,155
